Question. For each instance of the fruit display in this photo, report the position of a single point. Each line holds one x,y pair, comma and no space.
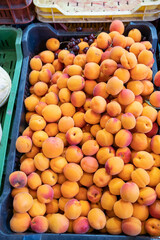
90,153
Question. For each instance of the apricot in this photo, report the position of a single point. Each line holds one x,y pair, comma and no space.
57,191
104,153
131,226
116,53
58,66
27,166
108,67
82,45
125,174
81,225
68,61
41,162
123,138
114,86
37,123
74,154
115,185
129,192
39,224
117,25
20,222
113,125
93,55
58,223
45,193
135,108
37,209
147,196
51,113
82,196
140,177
80,60
49,177
101,178
145,57
52,207
148,88
152,226
39,107
69,189
126,97
86,179
154,175
78,98
89,164
55,77
139,72
53,88
124,153
51,129
33,77
139,142
96,218
154,99
140,211
36,63
123,74
123,209
128,121
90,147
130,41
114,165
113,108
23,144
73,172
72,209
91,70
89,86
62,54
52,147
18,179
135,34
128,60
136,48
34,180
94,194
22,202
136,87
155,143
15,191
94,129
104,138
157,78
103,40
101,90
108,200
114,226
119,40
143,159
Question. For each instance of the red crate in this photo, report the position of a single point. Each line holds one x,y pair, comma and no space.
16,11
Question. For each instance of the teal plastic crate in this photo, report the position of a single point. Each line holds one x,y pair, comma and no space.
11,60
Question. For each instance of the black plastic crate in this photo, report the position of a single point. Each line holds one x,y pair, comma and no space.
34,39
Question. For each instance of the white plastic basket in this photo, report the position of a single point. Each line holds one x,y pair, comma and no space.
96,11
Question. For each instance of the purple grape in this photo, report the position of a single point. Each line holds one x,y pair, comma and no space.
71,51
76,48
79,29
92,36
152,50
56,55
144,38
85,39
73,39
78,41
85,49
90,41
127,48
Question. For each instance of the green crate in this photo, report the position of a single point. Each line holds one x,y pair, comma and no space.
11,60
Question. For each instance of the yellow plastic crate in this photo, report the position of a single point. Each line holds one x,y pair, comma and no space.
96,11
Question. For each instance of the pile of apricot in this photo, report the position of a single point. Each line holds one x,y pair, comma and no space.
91,151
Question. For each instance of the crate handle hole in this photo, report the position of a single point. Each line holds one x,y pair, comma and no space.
68,4
2,43
127,3
118,3
7,43
91,4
